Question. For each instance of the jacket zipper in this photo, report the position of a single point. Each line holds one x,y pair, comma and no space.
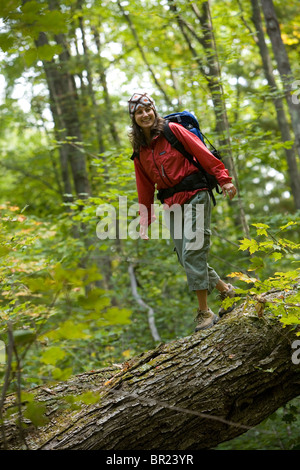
162,174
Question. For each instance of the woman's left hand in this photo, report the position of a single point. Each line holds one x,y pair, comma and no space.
229,189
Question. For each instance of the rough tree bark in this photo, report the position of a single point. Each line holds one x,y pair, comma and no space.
189,394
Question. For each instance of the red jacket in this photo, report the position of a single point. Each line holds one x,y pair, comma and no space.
161,165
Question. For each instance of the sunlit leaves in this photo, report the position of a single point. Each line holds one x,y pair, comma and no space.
270,245
250,245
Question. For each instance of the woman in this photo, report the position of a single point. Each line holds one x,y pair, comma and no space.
158,163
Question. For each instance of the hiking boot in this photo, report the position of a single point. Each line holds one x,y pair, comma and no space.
224,295
205,319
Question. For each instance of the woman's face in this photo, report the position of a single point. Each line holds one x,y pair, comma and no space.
145,117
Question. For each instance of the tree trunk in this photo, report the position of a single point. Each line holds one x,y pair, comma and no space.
103,82
53,82
283,65
127,17
212,74
64,109
62,84
63,104
294,177
192,393
95,108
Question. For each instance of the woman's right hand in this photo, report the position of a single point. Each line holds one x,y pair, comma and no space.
229,189
143,232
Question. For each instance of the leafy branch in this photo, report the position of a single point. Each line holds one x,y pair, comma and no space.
271,248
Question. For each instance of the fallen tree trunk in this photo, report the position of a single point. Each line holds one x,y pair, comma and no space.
192,393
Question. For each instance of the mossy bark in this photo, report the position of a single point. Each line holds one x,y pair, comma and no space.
192,393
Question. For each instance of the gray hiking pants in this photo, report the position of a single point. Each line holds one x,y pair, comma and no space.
189,227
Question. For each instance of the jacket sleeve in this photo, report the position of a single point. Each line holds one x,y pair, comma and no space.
207,160
145,190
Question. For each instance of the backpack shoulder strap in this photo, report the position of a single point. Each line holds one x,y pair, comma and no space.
134,155
172,139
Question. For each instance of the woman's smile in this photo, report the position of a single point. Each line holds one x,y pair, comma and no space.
145,117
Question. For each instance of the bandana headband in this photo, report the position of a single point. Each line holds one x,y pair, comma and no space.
138,100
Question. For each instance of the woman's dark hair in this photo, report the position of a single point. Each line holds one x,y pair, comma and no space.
137,137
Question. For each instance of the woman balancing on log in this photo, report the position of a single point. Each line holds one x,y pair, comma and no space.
180,184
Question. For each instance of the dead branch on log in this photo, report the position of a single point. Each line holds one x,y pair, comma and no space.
151,318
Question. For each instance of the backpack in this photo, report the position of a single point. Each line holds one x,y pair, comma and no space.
187,120
195,181
190,122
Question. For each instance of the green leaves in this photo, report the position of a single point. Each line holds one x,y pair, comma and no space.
61,318
25,21
35,412
6,41
261,229
53,21
46,52
270,245
250,245
35,18
52,355
8,7
65,292
22,337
